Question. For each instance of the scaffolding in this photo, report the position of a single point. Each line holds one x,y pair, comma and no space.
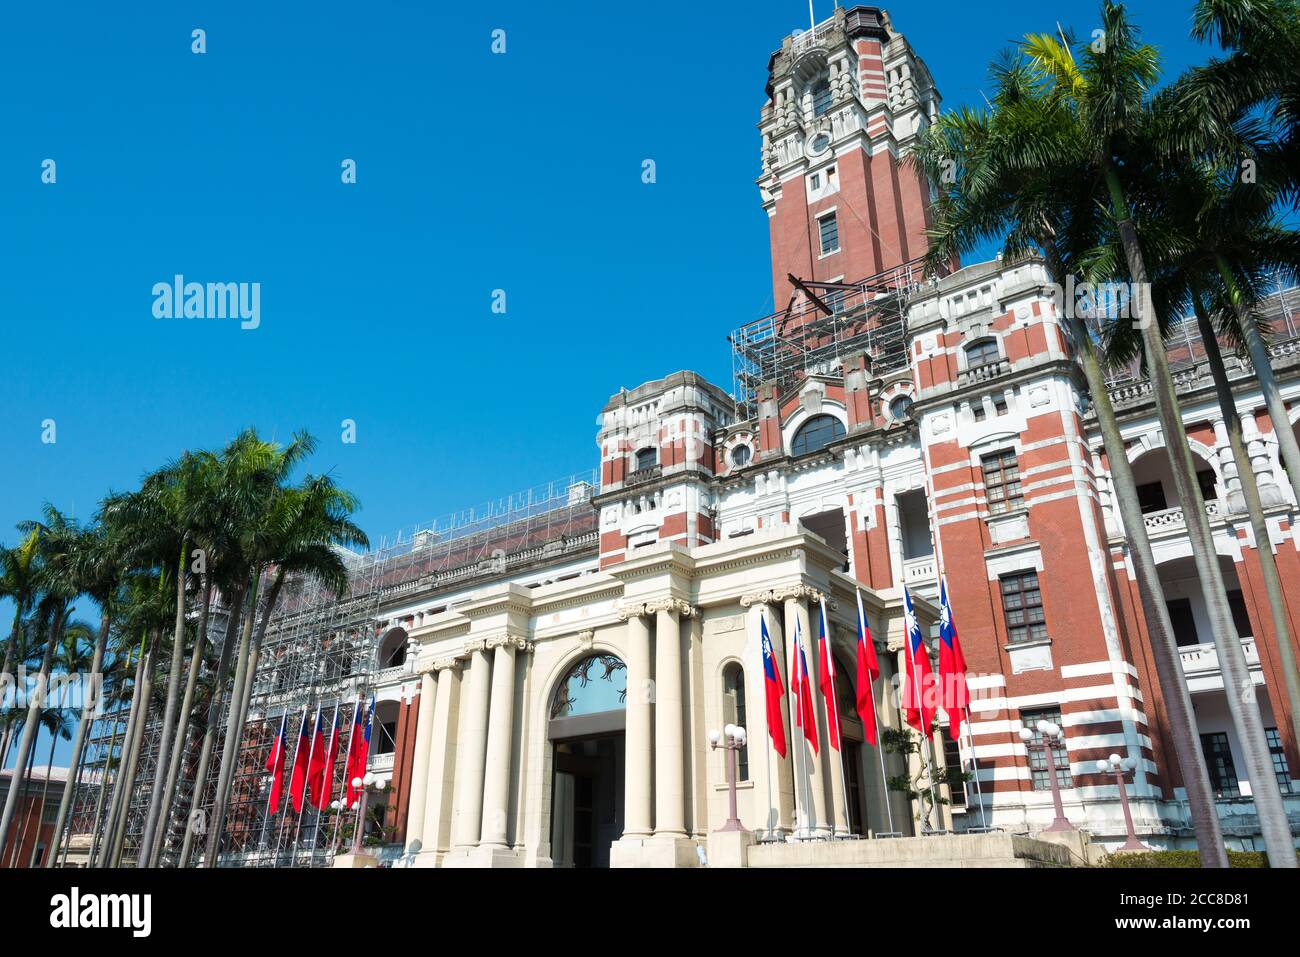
824,322
319,656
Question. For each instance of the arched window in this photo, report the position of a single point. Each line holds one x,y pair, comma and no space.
594,685
733,712
817,433
392,649
821,96
647,458
740,456
982,353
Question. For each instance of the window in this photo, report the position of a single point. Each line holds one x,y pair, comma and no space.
1218,758
1278,753
1002,480
821,96
741,455
1206,481
815,181
1151,497
733,712
647,458
999,405
982,353
900,407
977,411
952,759
1022,607
817,433
1183,622
1240,617
1038,757
387,737
829,231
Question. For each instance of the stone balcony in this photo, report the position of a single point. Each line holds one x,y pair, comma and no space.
1201,664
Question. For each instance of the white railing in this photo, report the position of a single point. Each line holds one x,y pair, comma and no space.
1169,519
1203,659
380,762
811,38
919,570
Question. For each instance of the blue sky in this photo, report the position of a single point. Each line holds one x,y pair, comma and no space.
475,172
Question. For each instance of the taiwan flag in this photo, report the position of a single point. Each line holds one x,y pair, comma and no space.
773,690
316,761
919,693
804,716
358,750
275,766
301,755
826,679
322,785
868,671
952,667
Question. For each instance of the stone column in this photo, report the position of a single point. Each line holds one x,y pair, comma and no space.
637,734
670,742
471,751
773,782
442,763
420,763
810,781
833,762
496,785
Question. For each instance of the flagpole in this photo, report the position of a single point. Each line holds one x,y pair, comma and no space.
835,716
864,633
306,784
279,836
343,787
767,749
279,744
799,741
975,775
920,709
326,785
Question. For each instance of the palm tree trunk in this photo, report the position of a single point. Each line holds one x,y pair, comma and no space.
183,722
21,825
234,729
6,677
233,623
1259,358
79,743
105,849
40,808
169,718
144,690
17,781
1164,649
1255,509
1237,682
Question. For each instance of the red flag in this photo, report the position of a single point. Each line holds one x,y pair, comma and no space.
826,679
804,716
868,671
301,754
316,764
322,786
275,765
358,750
952,667
919,692
774,690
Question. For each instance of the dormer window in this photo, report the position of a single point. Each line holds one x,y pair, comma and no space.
982,353
647,458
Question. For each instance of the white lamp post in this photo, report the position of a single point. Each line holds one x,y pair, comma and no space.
364,785
1119,767
735,740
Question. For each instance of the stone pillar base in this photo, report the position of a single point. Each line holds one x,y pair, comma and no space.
730,848
353,861
486,856
1082,851
427,859
654,852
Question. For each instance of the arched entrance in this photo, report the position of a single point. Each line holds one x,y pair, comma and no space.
585,732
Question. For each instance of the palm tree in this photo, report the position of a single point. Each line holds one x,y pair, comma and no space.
1258,75
96,567
305,526
55,537
1107,93
1018,181
18,567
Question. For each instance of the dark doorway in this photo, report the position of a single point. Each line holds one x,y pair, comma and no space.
587,800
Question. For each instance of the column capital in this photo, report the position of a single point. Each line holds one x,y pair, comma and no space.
470,647
634,610
683,609
446,664
423,668
800,592
768,597
518,642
